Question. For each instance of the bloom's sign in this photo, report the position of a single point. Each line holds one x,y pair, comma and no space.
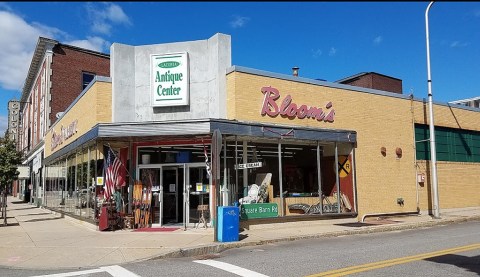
169,80
65,133
291,110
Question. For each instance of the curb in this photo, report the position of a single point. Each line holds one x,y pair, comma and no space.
220,247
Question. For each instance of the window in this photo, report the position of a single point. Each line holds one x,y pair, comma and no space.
454,145
86,79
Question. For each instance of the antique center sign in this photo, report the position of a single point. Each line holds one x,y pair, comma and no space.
169,80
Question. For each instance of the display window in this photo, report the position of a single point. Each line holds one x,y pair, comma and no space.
301,178
70,183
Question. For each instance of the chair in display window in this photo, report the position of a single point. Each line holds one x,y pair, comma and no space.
202,211
258,193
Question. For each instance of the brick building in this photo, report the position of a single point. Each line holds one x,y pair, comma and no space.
58,73
374,81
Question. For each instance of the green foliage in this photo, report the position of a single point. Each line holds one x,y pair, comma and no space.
10,158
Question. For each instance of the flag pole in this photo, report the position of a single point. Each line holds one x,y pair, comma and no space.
128,172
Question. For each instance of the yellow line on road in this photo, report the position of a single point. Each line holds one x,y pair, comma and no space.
387,263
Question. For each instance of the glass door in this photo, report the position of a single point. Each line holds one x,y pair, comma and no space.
198,191
178,191
172,188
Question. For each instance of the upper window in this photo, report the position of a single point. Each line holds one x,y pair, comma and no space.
455,145
86,79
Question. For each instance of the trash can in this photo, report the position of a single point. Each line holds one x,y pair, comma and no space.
228,223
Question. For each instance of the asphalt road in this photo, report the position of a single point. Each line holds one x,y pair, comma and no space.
451,250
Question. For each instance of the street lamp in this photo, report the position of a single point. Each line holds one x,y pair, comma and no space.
433,151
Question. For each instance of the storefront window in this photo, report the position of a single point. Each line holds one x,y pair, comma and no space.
329,185
70,189
308,175
299,170
70,182
171,154
55,185
93,174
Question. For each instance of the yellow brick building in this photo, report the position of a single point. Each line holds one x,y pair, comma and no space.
381,120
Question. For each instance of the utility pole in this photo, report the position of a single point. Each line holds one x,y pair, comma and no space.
433,150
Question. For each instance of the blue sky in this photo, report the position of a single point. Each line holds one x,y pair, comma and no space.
327,40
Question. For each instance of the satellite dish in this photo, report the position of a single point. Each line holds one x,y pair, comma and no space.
59,114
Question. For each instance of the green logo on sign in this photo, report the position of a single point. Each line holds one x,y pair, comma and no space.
170,64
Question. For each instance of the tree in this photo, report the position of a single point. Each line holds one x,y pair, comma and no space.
10,158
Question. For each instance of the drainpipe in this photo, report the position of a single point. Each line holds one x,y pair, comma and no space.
389,214
415,152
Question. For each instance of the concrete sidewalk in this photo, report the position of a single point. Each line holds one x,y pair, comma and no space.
35,238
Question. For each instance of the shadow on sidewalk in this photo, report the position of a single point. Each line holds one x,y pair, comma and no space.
10,224
19,209
33,214
353,224
42,219
18,202
368,223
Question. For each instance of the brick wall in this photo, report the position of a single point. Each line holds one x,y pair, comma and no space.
457,181
457,185
67,67
377,81
446,116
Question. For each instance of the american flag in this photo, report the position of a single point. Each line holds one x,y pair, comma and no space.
113,172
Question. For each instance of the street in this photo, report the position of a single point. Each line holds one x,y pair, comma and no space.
450,250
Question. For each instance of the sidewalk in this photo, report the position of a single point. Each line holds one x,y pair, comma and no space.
35,238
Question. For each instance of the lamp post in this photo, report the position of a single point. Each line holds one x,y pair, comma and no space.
433,151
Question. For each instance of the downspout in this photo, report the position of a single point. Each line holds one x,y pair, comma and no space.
354,170
389,214
416,168
415,152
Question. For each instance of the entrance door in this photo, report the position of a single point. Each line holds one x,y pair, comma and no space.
198,190
172,188
178,190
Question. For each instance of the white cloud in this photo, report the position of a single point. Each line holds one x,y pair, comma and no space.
316,53
239,21
3,124
93,43
332,51
18,39
104,15
458,44
377,40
